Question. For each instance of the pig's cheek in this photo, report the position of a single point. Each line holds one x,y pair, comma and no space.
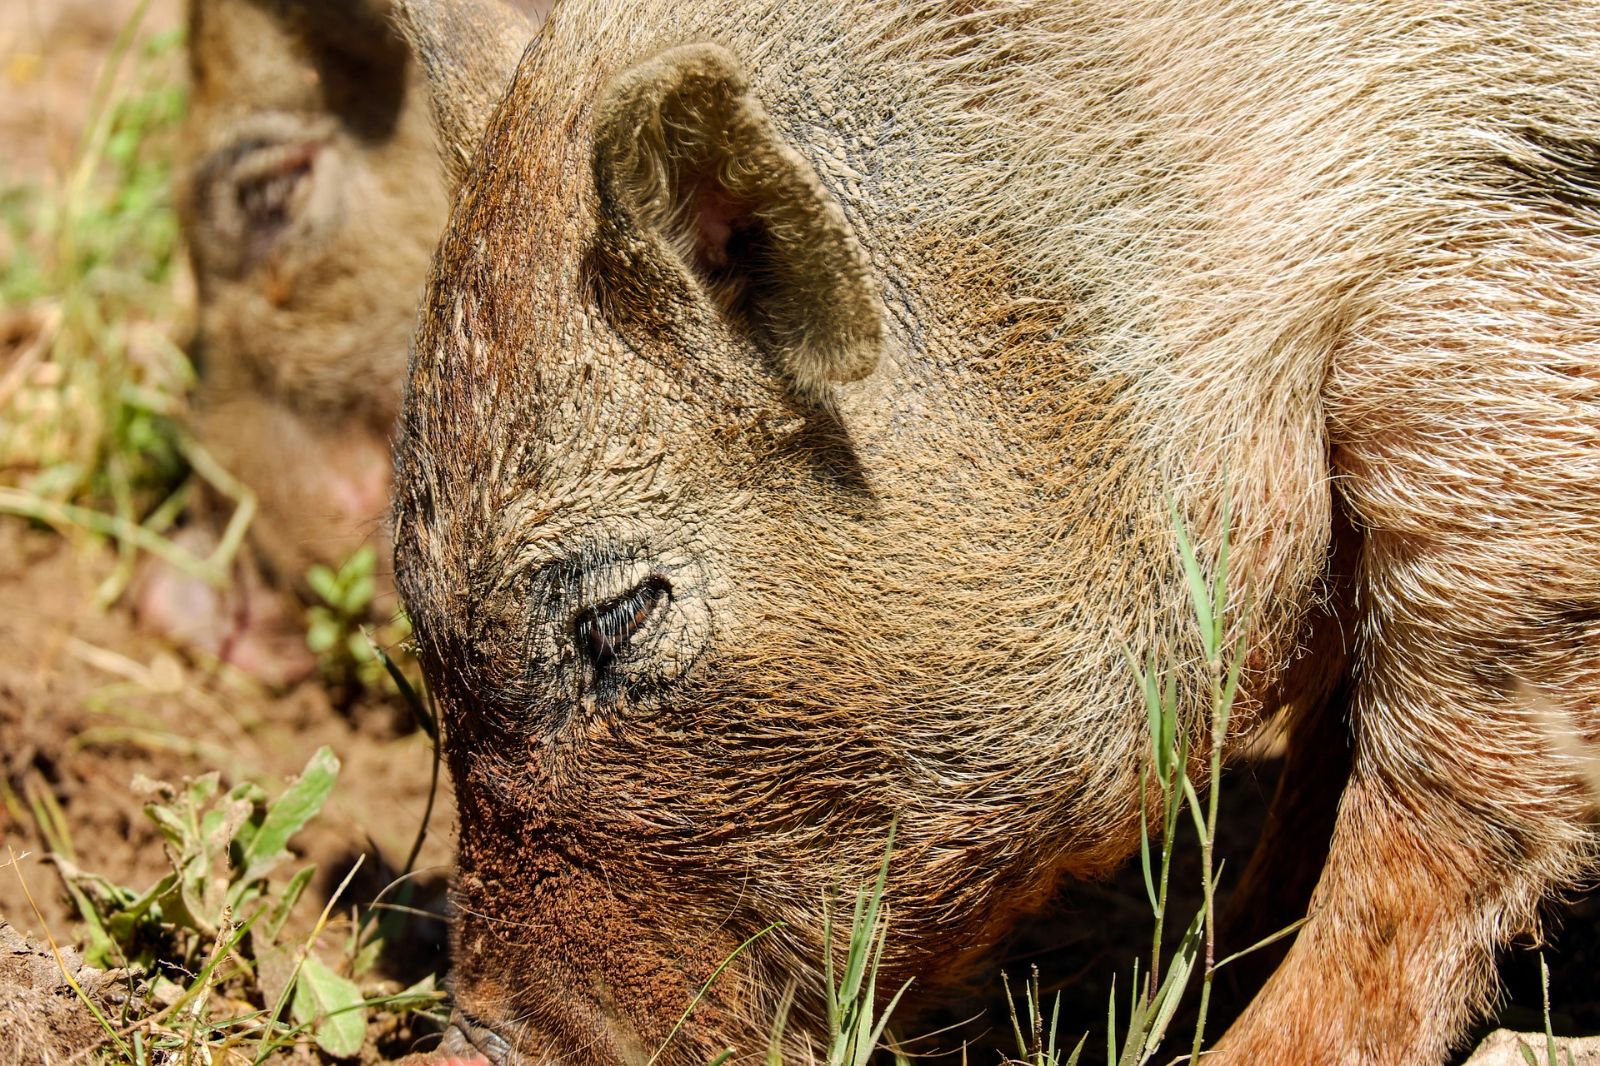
362,495
271,649
356,484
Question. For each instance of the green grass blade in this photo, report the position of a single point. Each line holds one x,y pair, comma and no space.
1166,999
1199,588
426,722
698,996
1144,842
780,1022
1549,1032
1111,1023
1016,1022
1271,938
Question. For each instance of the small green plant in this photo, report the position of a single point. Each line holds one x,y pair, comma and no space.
212,937
855,1027
346,653
1155,995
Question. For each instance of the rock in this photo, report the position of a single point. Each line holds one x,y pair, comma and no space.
1505,1048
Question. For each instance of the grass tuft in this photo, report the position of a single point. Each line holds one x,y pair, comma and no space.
92,292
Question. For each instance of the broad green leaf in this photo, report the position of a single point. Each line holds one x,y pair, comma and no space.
332,1006
123,925
174,828
292,810
194,892
257,797
101,950
274,966
366,956
218,827
323,631
358,597
201,789
361,563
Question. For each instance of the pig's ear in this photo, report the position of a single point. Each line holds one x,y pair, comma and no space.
687,154
469,50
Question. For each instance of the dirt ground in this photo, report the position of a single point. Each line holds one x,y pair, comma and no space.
88,703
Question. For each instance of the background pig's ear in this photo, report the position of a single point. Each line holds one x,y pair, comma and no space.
340,58
470,50
686,153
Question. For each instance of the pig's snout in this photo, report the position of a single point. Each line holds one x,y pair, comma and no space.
471,1043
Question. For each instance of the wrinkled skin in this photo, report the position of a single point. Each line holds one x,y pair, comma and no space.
800,399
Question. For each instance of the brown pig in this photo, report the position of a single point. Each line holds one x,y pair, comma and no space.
311,196
801,397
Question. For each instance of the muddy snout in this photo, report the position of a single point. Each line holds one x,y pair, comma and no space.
471,1043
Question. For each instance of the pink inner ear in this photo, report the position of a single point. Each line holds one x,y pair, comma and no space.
716,219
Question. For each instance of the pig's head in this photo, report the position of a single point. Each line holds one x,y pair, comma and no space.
728,514
310,202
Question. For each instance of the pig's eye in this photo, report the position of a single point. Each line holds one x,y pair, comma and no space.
603,633
255,194
265,185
